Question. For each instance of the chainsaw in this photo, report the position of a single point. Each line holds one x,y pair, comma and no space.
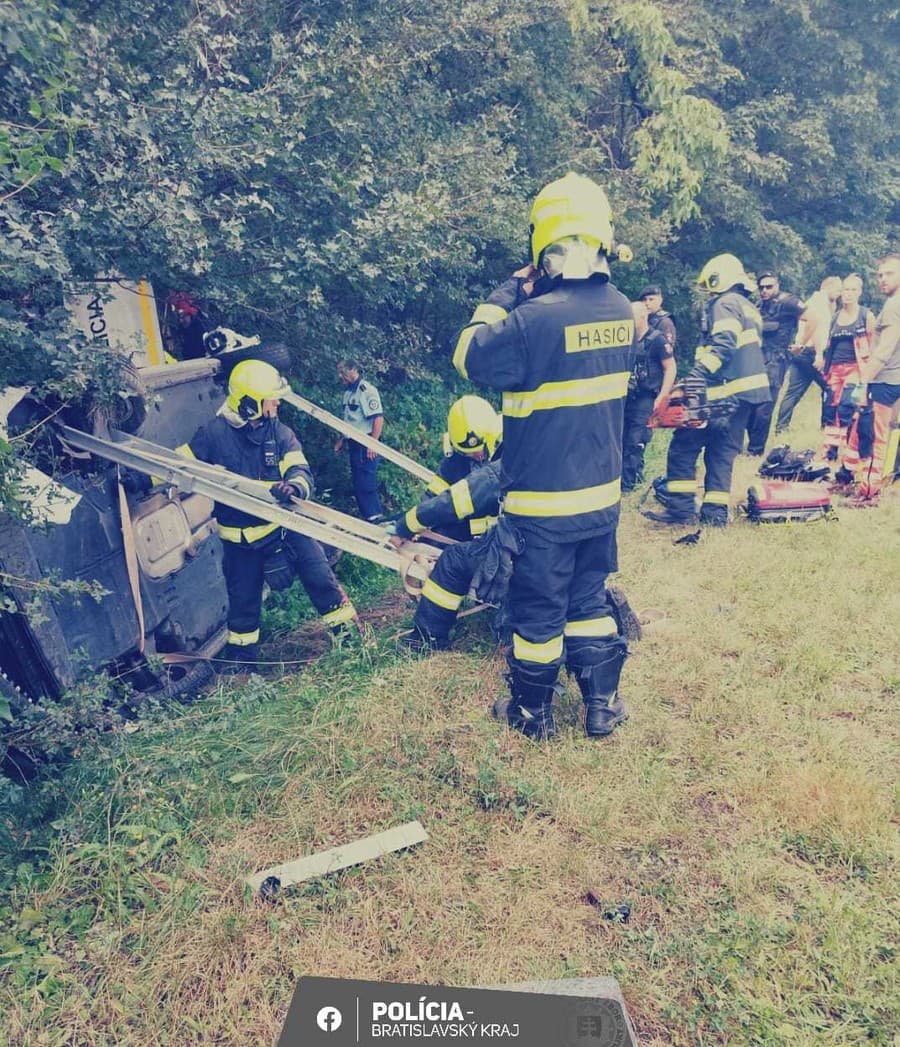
687,407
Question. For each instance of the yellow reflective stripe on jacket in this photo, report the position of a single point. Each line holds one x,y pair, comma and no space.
185,451
290,459
681,486
437,485
243,639
247,534
488,313
462,499
605,626
481,524
563,503
716,497
442,597
484,314
345,613
413,522
738,385
577,393
708,360
728,324
543,653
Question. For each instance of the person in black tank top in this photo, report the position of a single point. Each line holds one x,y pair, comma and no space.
847,350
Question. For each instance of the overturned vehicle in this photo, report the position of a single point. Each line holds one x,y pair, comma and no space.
156,557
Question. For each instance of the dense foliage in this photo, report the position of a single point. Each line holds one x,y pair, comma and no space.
349,176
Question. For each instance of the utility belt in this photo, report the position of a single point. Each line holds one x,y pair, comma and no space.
641,381
774,352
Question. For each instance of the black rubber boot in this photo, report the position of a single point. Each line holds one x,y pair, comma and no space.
420,641
235,658
668,517
529,709
717,517
597,667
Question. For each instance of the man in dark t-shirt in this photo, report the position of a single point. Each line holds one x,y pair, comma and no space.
780,314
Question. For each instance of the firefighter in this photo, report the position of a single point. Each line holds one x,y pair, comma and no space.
558,339
472,503
247,438
472,441
731,367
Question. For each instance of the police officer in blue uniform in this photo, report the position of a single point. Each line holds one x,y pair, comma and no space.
363,410
558,340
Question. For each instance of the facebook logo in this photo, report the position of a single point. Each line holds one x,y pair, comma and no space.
329,1019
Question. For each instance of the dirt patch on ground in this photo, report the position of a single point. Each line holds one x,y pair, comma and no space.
309,641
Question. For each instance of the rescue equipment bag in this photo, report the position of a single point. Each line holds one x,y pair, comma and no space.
787,501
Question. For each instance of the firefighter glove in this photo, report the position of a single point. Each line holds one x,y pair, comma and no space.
499,550
284,492
135,482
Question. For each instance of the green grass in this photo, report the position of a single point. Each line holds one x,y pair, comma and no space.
746,814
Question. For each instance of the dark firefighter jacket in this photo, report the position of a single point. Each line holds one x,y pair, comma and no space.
731,360
270,452
475,499
562,359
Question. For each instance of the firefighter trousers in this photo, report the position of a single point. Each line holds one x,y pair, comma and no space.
760,418
720,441
558,605
635,437
244,565
445,590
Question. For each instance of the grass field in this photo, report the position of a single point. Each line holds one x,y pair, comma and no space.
746,814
